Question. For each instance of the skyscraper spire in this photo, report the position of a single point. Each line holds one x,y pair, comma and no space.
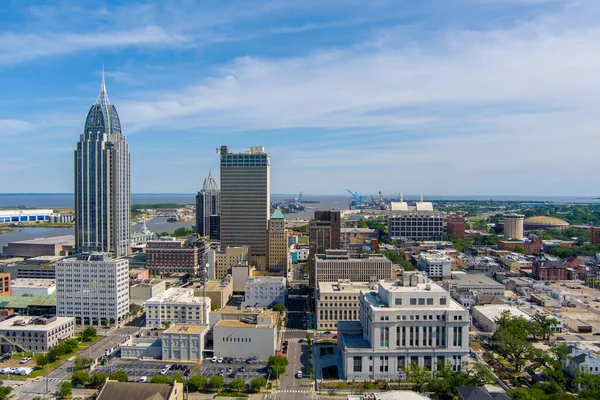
103,96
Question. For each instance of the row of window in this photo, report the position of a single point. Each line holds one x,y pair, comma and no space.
237,340
357,362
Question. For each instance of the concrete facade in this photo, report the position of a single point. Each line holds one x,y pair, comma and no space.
177,305
245,334
220,261
401,325
416,225
145,289
37,334
338,301
337,264
93,288
513,226
219,292
184,342
436,265
265,291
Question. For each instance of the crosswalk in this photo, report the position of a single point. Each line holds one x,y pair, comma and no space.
293,340
293,391
295,330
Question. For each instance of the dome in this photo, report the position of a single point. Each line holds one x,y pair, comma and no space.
103,117
544,222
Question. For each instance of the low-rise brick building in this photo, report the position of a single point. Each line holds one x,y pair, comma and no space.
171,257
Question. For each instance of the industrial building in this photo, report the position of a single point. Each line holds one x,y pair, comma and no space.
338,301
246,200
32,287
177,305
51,246
33,268
208,209
338,264
35,334
7,216
93,288
265,291
403,323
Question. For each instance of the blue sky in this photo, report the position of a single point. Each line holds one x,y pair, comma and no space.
439,97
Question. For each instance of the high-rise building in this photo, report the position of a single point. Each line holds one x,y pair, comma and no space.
93,288
324,233
278,250
246,200
208,208
102,182
513,226
339,264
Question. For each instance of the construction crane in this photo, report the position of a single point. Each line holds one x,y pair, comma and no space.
358,199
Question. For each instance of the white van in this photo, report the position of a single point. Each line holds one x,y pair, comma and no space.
143,379
299,374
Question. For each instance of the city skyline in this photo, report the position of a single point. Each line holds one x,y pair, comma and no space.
477,97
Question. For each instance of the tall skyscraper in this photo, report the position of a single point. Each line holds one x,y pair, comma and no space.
246,200
208,208
102,182
324,233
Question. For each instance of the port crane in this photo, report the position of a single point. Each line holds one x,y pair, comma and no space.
357,201
299,198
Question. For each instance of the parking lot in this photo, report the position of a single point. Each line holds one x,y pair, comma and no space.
137,368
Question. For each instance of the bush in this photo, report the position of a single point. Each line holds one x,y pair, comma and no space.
368,385
257,383
159,379
88,333
216,382
279,308
83,362
196,383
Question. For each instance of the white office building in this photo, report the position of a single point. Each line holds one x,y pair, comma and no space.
339,264
183,342
436,265
32,287
337,301
177,305
93,288
36,334
402,325
265,291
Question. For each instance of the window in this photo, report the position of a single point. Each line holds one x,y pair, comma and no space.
443,301
429,302
413,302
398,301
421,302
357,361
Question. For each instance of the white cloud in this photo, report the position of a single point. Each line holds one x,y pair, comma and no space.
14,126
20,47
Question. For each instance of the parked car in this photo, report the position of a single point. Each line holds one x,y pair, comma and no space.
242,369
299,374
560,338
220,360
24,360
213,360
143,379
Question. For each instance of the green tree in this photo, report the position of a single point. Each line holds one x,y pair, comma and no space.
216,382
70,345
120,376
257,383
41,360
237,384
4,392
159,379
419,376
589,385
179,232
279,308
213,306
82,362
65,389
196,383
88,333
545,325
98,378
176,377
277,364
445,382
519,249
80,378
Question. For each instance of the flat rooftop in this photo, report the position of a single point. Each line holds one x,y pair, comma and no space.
9,324
474,279
177,295
494,311
187,328
442,257
65,239
32,283
344,286
234,323
214,286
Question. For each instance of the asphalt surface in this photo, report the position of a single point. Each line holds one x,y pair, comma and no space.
41,385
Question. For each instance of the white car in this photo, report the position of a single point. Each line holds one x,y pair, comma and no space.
24,360
143,379
299,374
213,360
220,360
